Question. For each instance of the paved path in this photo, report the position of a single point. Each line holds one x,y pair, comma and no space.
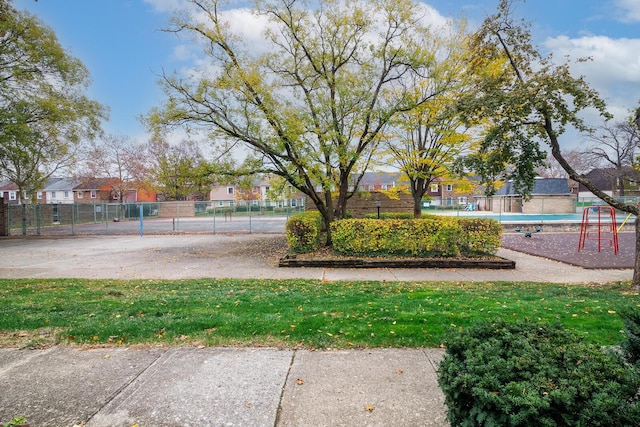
67,386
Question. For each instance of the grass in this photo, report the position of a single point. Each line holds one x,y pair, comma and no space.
290,313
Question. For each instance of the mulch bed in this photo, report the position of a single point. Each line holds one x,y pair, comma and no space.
563,247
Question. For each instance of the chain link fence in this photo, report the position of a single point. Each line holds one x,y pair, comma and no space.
145,218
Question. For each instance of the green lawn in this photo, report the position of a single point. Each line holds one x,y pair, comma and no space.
304,313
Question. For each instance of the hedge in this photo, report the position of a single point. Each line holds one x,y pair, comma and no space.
304,232
535,374
429,237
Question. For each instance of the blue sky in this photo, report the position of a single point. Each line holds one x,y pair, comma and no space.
122,45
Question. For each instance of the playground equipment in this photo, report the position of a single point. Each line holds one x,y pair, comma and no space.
528,233
599,224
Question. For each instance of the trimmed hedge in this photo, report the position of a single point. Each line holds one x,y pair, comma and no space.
435,236
535,374
304,232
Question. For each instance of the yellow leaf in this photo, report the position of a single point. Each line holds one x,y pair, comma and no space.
369,408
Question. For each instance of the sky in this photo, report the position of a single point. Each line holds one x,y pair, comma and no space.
122,44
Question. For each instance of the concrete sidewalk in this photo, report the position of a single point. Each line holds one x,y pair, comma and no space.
66,386
113,387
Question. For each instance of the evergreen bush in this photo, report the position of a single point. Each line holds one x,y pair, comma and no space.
631,343
535,374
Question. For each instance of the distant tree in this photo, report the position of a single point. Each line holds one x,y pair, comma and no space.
118,157
44,113
581,161
614,146
315,105
180,171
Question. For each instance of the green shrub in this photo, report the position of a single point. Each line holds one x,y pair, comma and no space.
390,215
304,232
534,374
631,343
435,236
482,235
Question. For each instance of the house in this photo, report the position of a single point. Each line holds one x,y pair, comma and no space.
59,191
97,190
606,179
9,192
549,195
259,194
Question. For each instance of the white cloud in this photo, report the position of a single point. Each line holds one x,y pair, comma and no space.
614,69
629,10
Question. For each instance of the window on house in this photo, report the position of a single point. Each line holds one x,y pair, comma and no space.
27,196
12,195
434,188
66,194
93,194
449,187
79,194
449,201
232,203
39,195
53,194
293,203
220,203
462,200
229,190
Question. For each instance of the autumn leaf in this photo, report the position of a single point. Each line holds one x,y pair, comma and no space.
369,408
299,381
399,371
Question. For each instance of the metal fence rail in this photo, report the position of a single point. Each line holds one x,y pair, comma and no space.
144,218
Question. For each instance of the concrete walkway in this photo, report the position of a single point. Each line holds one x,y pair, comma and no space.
66,386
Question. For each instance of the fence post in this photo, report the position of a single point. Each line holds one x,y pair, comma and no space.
141,210
38,218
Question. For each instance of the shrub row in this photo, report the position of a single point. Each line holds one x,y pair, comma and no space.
304,232
535,374
435,236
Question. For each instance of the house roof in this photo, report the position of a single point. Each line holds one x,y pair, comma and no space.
96,184
8,185
604,178
541,186
60,184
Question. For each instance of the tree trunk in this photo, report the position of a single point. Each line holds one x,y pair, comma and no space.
636,268
417,206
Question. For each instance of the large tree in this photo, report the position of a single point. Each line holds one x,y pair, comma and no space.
315,105
44,112
530,99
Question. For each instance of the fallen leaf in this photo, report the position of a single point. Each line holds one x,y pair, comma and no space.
399,371
369,408
299,381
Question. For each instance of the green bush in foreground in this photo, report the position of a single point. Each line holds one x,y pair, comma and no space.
304,232
631,344
535,374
